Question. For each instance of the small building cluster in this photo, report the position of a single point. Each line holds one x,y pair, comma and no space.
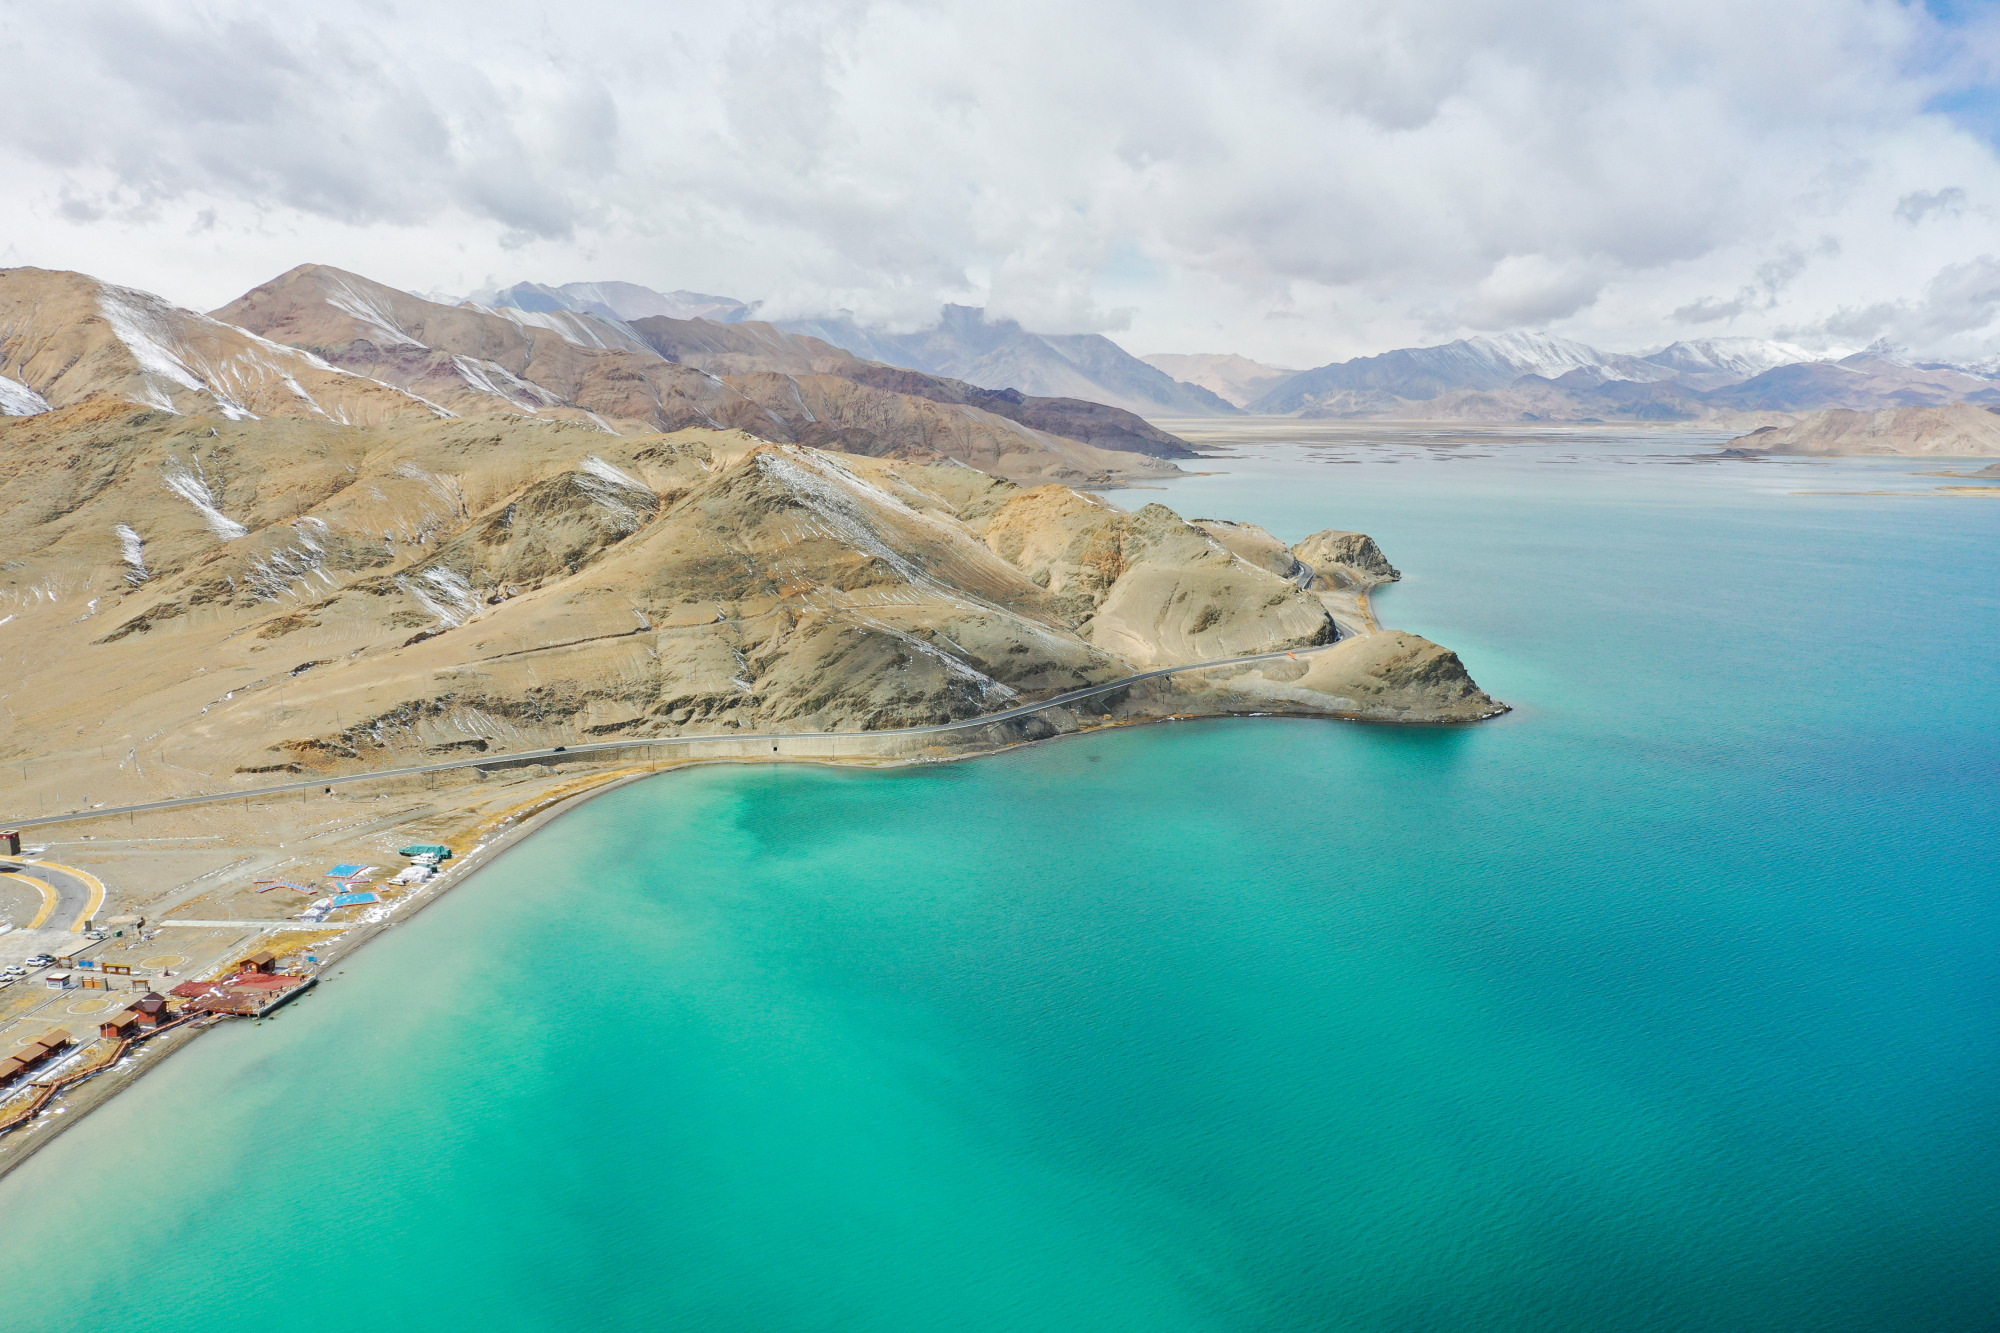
35,1054
255,988
143,1014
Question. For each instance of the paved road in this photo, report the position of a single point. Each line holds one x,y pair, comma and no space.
602,747
70,896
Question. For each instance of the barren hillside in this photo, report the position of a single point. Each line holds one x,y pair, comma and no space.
66,336
1961,430
192,601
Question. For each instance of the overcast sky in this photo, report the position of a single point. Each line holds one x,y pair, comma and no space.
1299,182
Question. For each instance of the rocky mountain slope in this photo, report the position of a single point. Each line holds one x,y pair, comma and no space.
1863,382
573,366
1959,430
187,600
1000,354
756,348
67,336
1392,379
963,345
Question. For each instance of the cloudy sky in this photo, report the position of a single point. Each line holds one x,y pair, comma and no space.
1296,181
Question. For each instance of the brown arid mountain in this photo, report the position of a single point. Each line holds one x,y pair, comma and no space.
65,337
191,600
662,375
738,351
484,362
1232,378
1960,430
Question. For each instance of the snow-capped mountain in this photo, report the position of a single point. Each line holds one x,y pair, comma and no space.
1552,357
1709,362
1486,362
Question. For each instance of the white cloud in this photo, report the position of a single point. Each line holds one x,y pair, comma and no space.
1294,179
1528,290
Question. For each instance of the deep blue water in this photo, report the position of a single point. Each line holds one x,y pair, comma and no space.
1669,1001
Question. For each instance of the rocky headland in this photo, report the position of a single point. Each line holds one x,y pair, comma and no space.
251,599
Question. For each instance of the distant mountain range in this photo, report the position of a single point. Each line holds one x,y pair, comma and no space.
1537,376
963,345
1522,376
319,343
1000,354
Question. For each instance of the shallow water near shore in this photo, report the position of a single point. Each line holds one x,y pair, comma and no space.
1669,1001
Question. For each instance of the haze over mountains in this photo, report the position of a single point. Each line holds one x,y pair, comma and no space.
1519,376
1540,377
1236,379
964,344
323,343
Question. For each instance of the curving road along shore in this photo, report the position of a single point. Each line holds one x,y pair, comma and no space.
775,739
70,897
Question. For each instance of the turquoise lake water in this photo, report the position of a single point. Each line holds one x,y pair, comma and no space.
1669,1001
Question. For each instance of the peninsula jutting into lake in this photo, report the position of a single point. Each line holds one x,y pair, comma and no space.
259,625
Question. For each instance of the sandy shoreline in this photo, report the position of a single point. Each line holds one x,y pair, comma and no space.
494,839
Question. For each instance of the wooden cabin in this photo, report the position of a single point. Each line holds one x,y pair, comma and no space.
261,961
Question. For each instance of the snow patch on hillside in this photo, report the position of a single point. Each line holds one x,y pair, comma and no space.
145,324
582,330
18,400
133,547
492,378
190,482
628,500
346,297
445,593
277,571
